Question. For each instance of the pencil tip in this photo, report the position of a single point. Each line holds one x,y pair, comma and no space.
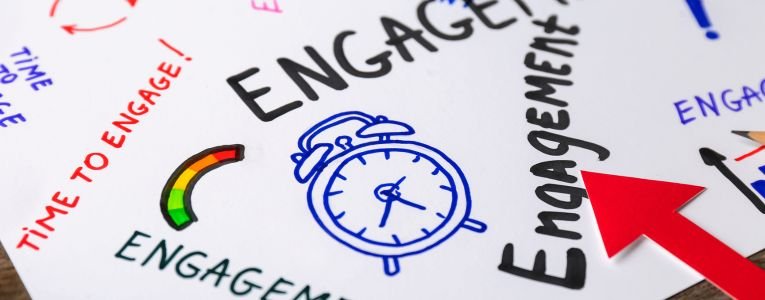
742,133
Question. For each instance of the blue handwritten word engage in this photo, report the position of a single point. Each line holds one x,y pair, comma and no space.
13,119
714,103
25,65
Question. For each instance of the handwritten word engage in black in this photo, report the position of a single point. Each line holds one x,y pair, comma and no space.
190,265
398,34
556,41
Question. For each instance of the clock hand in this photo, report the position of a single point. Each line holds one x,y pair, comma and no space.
410,203
391,195
388,205
395,185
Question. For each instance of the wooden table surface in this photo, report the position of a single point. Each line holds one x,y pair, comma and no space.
11,287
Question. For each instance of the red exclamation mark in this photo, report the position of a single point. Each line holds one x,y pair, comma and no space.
174,50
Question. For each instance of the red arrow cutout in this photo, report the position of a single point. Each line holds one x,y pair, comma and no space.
71,29
626,208
132,2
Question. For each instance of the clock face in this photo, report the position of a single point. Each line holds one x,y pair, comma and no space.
391,197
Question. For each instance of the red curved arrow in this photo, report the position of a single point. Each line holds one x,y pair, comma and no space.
53,8
626,208
71,29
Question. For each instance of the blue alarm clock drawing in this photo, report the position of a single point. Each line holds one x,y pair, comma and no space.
378,194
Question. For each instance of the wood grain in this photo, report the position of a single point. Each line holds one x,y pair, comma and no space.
705,290
11,287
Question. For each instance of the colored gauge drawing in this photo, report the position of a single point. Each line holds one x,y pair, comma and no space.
175,203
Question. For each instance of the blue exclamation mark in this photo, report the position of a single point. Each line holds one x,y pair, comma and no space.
701,17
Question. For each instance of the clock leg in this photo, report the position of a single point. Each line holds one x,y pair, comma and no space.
474,225
390,264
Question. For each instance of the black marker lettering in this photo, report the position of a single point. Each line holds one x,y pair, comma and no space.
551,26
543,44
130,243
296,71
382,59
544,84
564,144
194,269
164,260
576,268
555,170
397,41
478,11
575,195
464,24
220,273
549,227
249,97
547,121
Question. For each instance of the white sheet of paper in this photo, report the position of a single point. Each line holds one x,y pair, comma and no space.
633,61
